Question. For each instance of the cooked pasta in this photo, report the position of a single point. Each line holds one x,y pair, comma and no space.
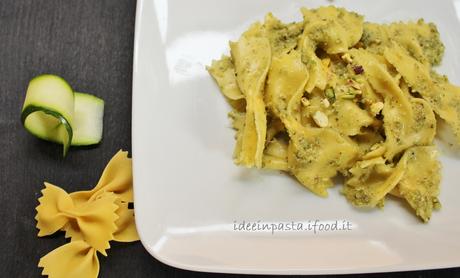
333,94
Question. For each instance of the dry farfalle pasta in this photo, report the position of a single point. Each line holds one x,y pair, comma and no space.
89,218
74,259
332,95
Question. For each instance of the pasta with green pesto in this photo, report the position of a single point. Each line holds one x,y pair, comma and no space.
335,95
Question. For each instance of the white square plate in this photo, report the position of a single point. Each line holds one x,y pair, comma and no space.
188,192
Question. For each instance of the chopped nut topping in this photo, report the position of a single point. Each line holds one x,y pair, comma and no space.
330,94
358,69
376,107
347,58
354,84
320,119
305,101
375,146
326,102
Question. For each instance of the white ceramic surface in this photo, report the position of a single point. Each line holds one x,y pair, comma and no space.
188,192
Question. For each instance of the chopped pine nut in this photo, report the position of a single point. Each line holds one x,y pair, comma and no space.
347,58
320,119
305,101
376,107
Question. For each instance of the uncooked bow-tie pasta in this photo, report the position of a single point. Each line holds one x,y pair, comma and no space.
333,95
91,219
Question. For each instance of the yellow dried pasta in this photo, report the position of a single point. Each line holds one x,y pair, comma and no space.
93,221
117,178
90,218
332,95
75,259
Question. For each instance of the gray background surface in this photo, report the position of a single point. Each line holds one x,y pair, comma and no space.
90,44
